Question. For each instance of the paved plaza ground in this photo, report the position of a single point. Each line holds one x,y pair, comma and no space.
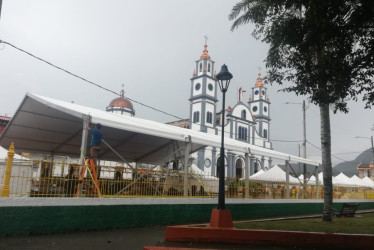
130,238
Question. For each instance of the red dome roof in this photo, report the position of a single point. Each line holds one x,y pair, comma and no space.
205,53
121,102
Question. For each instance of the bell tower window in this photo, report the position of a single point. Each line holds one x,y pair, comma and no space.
196,116
209,67
201,67
209,117
265,133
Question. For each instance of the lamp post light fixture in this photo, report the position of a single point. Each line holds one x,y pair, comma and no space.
221,217
224,77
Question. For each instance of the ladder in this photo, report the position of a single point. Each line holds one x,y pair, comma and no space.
198,179
90,165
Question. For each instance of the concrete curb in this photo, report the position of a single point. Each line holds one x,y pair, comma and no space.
268,237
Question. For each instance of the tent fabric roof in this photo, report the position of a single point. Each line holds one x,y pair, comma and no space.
357,181
344,180
311,180
255,174
4,154
274,174
47,125
368,181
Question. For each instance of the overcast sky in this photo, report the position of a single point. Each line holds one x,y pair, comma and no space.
151,47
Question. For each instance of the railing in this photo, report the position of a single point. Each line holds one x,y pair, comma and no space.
46,178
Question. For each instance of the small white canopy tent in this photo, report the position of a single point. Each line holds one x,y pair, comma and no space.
255,174
274,174
356,180
368,181
310,181
4,154
342,179
258,173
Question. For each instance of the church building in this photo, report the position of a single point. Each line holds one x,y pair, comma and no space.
247,121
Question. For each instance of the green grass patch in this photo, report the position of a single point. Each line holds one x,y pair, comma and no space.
356,225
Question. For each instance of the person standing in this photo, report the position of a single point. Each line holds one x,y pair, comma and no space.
97,135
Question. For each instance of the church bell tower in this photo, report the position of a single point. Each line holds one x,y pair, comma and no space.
203,95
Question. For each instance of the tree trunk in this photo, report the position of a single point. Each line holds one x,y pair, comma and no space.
326,161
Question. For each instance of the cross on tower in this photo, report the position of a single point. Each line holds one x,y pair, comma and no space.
206,39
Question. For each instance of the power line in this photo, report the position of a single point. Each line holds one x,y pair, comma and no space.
331,154
286,141
88,81
345,153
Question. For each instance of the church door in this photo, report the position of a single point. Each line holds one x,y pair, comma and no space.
239,168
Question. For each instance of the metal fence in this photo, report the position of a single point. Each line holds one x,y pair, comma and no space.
66,178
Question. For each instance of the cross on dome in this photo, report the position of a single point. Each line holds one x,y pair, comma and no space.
122,93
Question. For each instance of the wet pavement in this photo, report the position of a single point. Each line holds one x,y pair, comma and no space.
130,238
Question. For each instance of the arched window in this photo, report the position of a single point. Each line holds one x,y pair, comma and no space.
244,114
265,133
196,116
209,117
257,167
239,168
208,67
201,67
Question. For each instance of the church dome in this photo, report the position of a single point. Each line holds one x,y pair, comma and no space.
205,53
121,105
259,82
121,102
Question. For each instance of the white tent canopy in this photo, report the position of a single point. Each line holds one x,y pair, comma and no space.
342,179
46,125
258,173
274,174
357,181
4,154
310,181
368,182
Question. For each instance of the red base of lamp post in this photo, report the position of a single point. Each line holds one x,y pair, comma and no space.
221,218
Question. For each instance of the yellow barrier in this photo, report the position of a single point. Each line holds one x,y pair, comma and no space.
5,191
52,178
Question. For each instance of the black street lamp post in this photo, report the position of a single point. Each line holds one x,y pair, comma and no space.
224,78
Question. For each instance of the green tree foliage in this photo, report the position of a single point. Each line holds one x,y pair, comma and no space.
324,48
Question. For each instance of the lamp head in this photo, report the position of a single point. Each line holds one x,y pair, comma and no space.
224,77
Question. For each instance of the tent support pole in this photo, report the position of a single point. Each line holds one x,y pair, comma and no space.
186,156
287,187
246,166
317,181
86,120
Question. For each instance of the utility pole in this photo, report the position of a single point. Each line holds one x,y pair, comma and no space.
1,3
372,148
304,146
304,143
